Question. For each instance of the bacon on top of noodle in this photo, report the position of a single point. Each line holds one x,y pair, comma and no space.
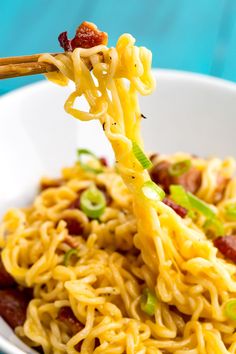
67,316
227,246
190,180
87,36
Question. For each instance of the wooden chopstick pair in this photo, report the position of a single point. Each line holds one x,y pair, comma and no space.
23,66
29,65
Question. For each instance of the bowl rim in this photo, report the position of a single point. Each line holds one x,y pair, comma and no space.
9,347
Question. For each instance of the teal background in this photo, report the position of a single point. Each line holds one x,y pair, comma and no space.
193,35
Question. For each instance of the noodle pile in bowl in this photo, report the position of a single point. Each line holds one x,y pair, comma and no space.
139,274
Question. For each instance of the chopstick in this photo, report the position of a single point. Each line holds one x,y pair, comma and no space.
23,66
25,69
21,59
28,65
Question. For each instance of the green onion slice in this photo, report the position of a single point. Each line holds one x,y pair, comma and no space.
200,206
230,309
215,226
179,196
93,202
230,211
68,256
152,191
85,166
190,201
140,156
148,302
193,203
179,168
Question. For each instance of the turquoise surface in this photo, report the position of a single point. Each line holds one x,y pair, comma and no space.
193,35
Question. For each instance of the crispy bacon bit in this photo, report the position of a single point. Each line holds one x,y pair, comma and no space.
227,246
13,305
181,211
159,174
75,204
67,316
103,161
107,196
152,157
73,226
87,36
191,180
65,42
53,183
220,190
78,346
6,280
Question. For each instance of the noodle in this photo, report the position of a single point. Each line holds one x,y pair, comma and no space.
136,243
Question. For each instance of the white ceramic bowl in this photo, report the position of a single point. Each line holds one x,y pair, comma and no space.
187,112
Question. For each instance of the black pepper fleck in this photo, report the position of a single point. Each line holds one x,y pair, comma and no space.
143,116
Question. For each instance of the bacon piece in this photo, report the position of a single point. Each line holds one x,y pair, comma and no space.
191,180
67,316
13,305
153,156
53,183
65,42
181,211
76,203
87,36
6,280
220,189
160,175
78,346
107,196
227,246
103,161
74,226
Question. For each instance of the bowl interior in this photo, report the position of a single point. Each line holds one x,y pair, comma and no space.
187,112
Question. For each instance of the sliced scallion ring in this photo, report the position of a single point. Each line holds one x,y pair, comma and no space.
140,156
68,256
179,196
191,202
230,211
215,226
179,168
93,202
84,165
200,206
152,191
230,309
148,302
